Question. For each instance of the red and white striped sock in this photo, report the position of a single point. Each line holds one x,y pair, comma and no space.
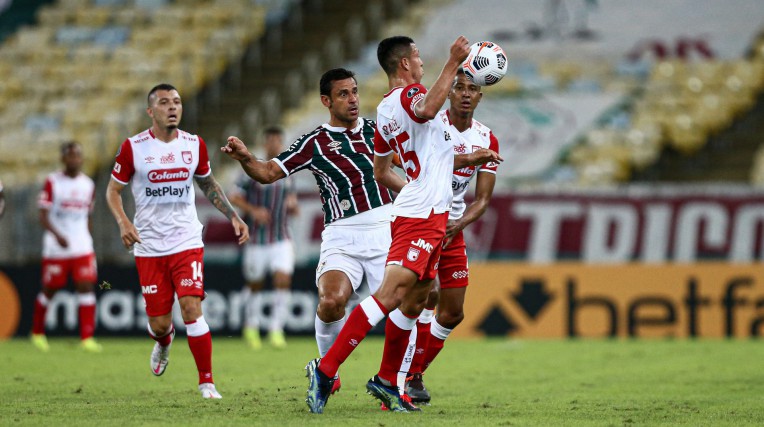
400,342
87,314
40,310
165,339
364,317
200,343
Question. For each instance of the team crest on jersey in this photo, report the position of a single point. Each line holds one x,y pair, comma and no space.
345,204
413,254
117,167
187,157
413,91
167,158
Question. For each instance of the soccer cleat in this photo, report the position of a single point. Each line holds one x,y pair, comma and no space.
277,339
387,394
40,341
336,385
209,391
407,403
252,336
160,357
91,345
319,387
416,390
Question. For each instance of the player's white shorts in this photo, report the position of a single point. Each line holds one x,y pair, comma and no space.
359,251
259,260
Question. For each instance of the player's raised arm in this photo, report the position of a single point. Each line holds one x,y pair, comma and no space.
429,106
264,172
477,157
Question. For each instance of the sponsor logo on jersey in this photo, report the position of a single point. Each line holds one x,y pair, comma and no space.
459,149
418,97
148,289
334,146
345,204
421,243
187,157
447,137
459,186
145,138
168,191
186,282
413,254
168,175
167,158
148,159
413,91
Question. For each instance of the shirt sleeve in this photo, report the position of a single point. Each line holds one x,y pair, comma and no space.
45,200
381,147
491,166
203,168
410,96
297,157
124,168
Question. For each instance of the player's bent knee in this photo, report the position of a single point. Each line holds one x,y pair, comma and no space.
331,309
450,320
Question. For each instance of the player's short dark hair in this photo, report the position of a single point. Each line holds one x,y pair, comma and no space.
160,86
391,50
69,145
273,130
329,77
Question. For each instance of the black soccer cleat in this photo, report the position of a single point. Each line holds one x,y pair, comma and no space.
319,387
389,396
416,390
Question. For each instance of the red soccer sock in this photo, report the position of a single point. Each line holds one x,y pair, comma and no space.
40,310
395,359
367,314
200,343
87,304
438,335
422,342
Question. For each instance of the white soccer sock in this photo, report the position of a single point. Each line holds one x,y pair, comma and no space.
426,316
326,333
279,309
197,328
251,302
439,331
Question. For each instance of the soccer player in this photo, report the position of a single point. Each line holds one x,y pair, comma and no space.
269,250
467,135
357,209
404,127
66,205
162,162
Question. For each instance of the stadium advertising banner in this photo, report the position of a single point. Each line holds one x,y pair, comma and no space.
631,300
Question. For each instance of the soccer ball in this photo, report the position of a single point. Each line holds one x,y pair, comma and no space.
486,64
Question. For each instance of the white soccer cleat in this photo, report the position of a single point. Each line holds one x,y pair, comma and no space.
209,391
160,357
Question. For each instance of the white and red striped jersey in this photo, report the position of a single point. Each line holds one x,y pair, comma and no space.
477,136
426,155
162,175
69,202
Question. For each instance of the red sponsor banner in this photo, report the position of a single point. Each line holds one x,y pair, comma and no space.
640,224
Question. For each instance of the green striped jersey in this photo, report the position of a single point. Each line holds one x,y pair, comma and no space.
342,161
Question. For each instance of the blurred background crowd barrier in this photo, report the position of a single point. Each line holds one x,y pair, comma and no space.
630,202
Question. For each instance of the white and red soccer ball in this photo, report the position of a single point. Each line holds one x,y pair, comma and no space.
486,63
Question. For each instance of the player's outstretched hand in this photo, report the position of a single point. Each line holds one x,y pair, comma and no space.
240,229
485,155
235,148
460,49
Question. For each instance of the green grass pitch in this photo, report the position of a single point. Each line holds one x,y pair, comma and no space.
483,382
